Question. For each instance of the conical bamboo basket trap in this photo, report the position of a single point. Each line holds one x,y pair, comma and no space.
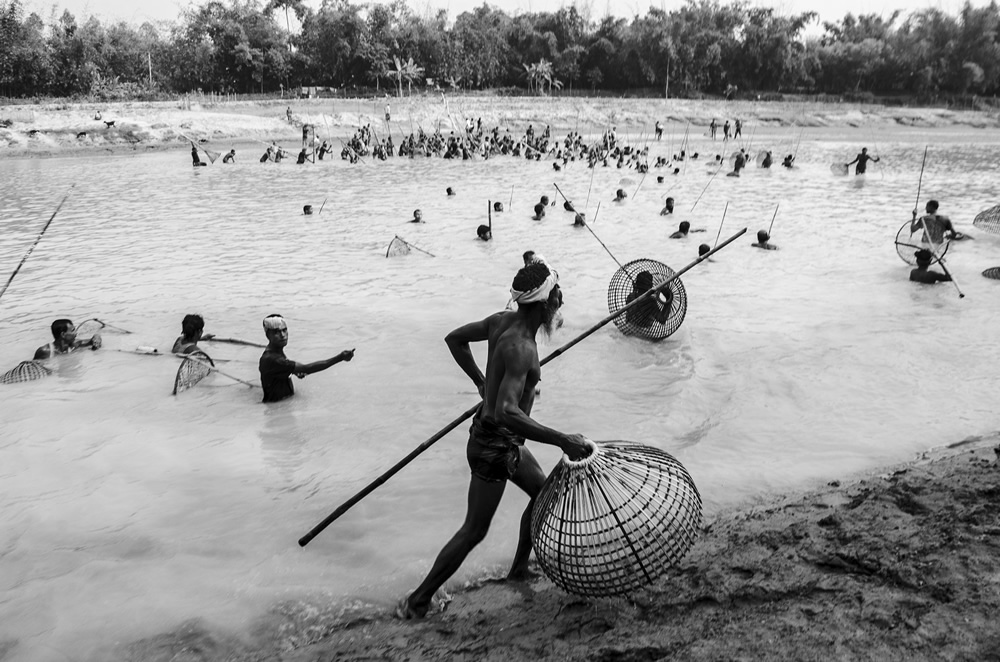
657,317
614,521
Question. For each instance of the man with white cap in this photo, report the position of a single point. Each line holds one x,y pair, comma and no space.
276,369
495,450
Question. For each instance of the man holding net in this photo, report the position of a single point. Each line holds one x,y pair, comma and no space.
64,341
937,228
192,330
862,160
276,369
495,450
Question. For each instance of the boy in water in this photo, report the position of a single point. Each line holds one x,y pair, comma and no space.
762,237
922,274
192,330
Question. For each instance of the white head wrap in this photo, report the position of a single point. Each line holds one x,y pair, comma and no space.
275,322
540,293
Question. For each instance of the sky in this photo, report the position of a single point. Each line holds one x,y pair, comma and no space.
140,11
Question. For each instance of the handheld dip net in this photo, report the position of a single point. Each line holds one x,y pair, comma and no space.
616,520
908,243
399,246
656,317
25,371
195,367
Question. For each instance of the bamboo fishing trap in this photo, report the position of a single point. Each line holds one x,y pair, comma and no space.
658,316
616,520
25,371
989,221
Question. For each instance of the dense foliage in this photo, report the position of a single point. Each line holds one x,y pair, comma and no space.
245,46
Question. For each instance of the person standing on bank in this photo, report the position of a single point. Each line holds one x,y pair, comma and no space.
495,450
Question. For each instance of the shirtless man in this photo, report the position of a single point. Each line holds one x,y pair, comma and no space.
64,341
276,369
192,330
682,231
652,308
862,160
496,449
762,237
922,274
937,228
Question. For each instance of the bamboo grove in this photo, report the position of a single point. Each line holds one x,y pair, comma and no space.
700,47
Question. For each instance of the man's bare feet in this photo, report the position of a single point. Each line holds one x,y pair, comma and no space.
521,574
405,612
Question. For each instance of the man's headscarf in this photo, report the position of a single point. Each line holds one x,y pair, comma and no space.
540,293
274,322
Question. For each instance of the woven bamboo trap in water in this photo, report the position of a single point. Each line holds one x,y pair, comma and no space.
658,316
616,520
25,371
989,220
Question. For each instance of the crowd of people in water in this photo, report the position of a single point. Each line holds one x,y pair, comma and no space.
476,141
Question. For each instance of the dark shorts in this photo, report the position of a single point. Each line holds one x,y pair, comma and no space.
494,452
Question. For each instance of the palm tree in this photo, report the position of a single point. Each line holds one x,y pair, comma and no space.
407,71
540,73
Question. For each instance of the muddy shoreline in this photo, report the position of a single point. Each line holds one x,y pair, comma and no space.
902,564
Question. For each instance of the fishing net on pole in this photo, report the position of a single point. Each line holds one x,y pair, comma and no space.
989,220
908,243
89,328
195,367
656,317
992,272
839,168
25,371
616,520
94,325
397,247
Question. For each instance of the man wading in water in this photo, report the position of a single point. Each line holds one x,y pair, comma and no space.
496,449
862,160
276,369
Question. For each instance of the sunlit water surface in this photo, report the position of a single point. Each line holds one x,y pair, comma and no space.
125,512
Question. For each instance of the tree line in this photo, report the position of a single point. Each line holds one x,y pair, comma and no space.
703,47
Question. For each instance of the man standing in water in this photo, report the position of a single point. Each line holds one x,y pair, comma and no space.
64,341
862,160
937,228
276,369
495,449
